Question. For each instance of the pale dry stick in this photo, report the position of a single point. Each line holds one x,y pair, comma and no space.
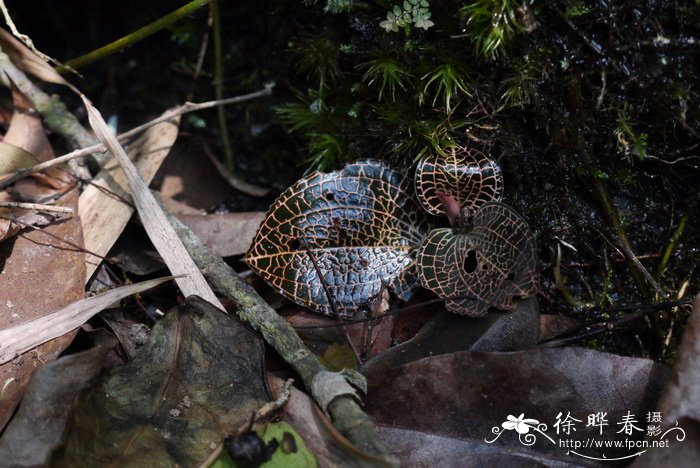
183,109
37,207
345,411
27,41
154,221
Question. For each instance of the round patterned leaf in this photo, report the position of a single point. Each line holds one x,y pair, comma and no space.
486,266
467,174
361,226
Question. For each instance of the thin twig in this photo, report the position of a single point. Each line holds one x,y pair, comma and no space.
76,247
200,57
37,207
183,109
606,326
27,41
272,406
219,86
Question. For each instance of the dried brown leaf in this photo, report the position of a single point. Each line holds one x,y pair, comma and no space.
227,233
28,61
190,278
40,274
21,338
465,395
104,205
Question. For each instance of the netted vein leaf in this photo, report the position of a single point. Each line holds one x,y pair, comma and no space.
362,225
488,265
467,174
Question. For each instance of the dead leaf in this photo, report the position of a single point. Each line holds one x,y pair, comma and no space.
13,158
46,405
30,334
354,230
188,277
446,333
197,380
104,205
189,176
28,61
236,182
40,274
465,395
177,207
227,233
416,448
554,325
26,135
26,129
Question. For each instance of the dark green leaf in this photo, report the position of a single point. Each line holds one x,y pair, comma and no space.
195,382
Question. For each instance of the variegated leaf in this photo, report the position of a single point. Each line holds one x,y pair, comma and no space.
487,265
467,174
360,225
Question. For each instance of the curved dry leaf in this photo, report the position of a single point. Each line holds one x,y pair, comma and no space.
13,158
360,225
467,174
28,61
486,266
189,277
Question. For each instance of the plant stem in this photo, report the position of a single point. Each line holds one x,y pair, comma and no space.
671,245
639,273
219,87
137,35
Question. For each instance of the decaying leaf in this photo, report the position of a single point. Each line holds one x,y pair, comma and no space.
361,226
446,333
452,402
105,206
196,381
13,158
47,404
25,144
466,173
40,274
32,333
28,61
227,233
188,277
486,265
